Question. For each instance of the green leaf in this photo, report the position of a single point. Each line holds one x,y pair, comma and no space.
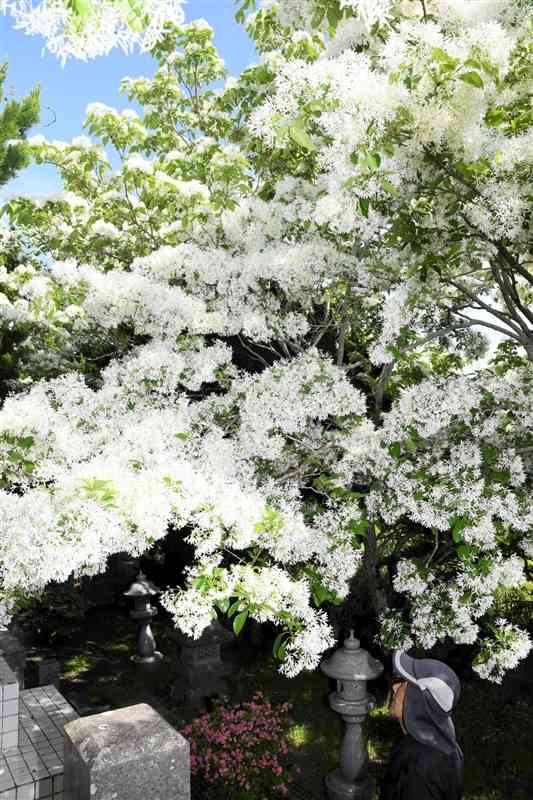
26,442
239,621
501,476
82,8
234,607
473,79
301,137
490,454
410,445
358,526
371,161
364,206
456,536
484,566
333,15
223,605
458,524
441,55
319,594
490,69
136,19
335,600
473,62
395,449
277,643
389,187
200,582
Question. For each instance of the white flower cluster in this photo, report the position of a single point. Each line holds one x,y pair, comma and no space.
480,480
508,646
285,398
396,314
221,291
272,591
105,26
409,580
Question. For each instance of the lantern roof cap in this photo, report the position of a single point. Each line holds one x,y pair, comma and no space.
351,663
141,587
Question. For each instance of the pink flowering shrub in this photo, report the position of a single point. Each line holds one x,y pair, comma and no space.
239,752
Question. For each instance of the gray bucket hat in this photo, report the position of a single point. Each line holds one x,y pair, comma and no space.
431,697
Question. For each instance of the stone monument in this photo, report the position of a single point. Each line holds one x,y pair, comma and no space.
201,671
128,754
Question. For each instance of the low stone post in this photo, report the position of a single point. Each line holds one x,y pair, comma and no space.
128,754
351,667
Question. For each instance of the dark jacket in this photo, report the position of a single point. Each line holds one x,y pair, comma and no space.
421,772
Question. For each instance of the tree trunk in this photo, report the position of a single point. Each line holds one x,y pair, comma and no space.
378,597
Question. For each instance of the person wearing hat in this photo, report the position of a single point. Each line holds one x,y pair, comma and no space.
426,762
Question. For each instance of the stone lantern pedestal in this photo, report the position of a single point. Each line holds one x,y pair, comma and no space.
351,667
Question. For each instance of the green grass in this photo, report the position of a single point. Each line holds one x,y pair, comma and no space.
75,667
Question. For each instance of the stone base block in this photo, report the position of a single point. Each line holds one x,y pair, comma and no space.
337,788
128,754
193,689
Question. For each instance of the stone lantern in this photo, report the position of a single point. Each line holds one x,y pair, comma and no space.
351,667
142,590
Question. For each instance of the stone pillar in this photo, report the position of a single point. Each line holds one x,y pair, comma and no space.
9,707
14,652
128,754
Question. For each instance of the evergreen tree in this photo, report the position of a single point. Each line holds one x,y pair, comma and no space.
16,118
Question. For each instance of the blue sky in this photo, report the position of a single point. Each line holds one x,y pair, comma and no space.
66,92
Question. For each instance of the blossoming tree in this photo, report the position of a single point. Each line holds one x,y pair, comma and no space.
287,274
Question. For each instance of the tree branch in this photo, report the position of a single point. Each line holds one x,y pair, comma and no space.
340,341
485,324
255,355
500,315
430,557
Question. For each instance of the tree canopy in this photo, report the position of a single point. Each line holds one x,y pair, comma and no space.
271,311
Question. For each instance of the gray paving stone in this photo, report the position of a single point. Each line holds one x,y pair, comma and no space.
31,757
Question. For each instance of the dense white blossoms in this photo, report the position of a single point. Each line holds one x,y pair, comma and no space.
509,645
268,390
101,27
409,580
